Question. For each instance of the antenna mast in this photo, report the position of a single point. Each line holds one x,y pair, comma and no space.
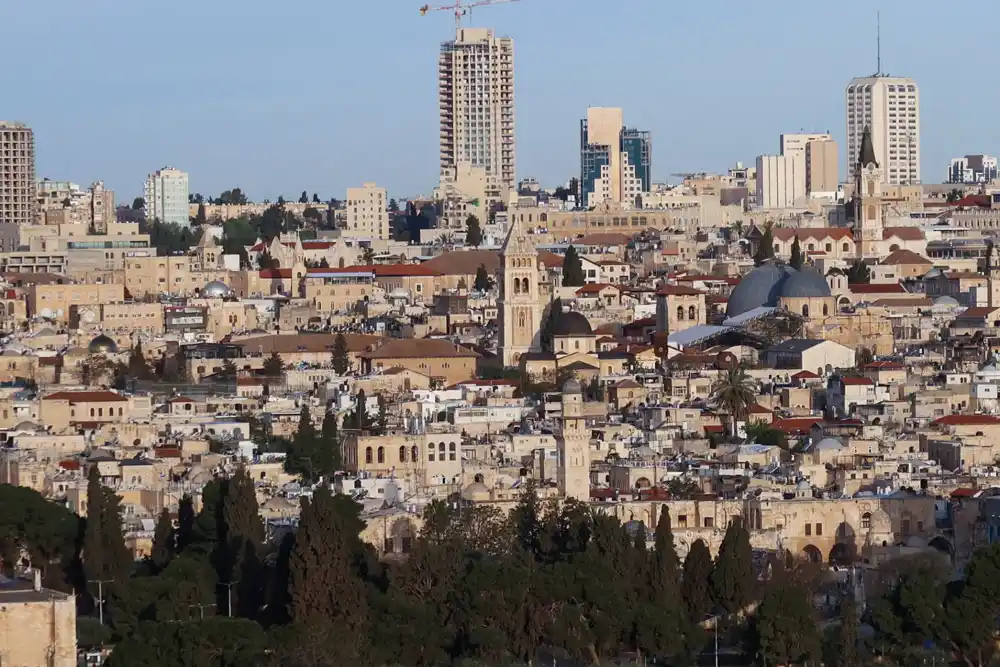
878,43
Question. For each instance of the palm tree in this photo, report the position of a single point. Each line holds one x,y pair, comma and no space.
734,394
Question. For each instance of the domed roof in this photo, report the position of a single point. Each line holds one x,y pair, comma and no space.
476,492
27,426
572,324
946,301
572,386
767,284
102,345
828,444
216,289
805,283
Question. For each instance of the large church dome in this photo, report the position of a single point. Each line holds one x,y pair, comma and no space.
572,324
767,284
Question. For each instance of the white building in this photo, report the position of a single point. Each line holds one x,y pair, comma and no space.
973,169
367,216
781,180
891,107
794,143
166,196
476,101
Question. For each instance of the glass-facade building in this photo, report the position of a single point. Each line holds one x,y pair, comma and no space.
632,162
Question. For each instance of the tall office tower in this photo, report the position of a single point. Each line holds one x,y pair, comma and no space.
615,161
821,167
17,173
166,195
366,213
476,101
890,106
973,169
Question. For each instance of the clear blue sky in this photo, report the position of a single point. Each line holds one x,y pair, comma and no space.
277,97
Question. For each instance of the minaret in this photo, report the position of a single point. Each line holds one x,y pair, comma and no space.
868,201
992,276
520,306
573,445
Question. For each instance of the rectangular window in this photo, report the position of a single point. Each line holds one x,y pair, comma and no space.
809,528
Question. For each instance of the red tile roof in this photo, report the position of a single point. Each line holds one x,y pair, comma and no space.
964,493
317,245
86,396
276,273
550,259
403,271
903,233
677,290
856,381
877,288
805,375
594,288
794,425
816,233
966,420
905,257
977,311
973,201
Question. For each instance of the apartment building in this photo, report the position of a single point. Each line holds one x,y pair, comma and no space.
66,203
821,167
615,161
781,180
973,169
17,173
476,101
890,106
367,216
166,196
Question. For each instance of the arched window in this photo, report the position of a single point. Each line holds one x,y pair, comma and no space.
381,454
826,310
692,313
576,344
414,453
517,286
402,453
805,310
451,451
871,212
846,248
680,312
368,454
871,188
92,412
524,286
866,520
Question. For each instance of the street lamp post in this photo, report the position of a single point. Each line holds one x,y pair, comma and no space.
201,608
100,595
229,595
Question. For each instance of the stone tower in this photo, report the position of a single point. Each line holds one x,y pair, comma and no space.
573,445
992,276
520,307
868,223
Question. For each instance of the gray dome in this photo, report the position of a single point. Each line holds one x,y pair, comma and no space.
572,324
215,290
828,444
102,345
946,301
805,284
766,284
572,386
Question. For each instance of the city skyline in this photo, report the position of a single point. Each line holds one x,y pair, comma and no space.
336,124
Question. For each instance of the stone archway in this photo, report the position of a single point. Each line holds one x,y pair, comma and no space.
642,483
942,544
843,553
812,554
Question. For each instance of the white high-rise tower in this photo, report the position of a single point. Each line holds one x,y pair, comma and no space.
890,107
476,102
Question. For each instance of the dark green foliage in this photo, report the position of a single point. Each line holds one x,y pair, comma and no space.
185,522
784,629
473,232
105,555
47,532
733,577
572,274
765,247
796,259
169,238
138,367
240,548
341,361
483,283
216,642
661,615
302,449
200,218
697,581
858,273
863,356
329,455
843,650
274,367
358,419
552,315
164,542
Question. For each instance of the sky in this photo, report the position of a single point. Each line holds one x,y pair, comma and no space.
321,95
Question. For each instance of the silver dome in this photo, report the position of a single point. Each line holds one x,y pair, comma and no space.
215,290
767,284
572,386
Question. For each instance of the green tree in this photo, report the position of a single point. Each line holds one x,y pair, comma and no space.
844,648
164,542
200,218
303,447
858,273
330,457
341,361
367,256
393,206
733,577
228,370
796,260
734,394
473,232
138,204
572,275
265,261
329,605
662,614
304,197
274,367
241,555
138,367
185,522
105,556
765,247
784,630
483,282
697,581
311,213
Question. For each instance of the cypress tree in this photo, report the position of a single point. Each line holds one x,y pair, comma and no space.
662,628
244,536
341,362
105,556
473,232
796,260
846,648
482,282
732,578
137,365
327,596
697,581
573,269
164,542
765,248
185,523
329,453
784,629
301,458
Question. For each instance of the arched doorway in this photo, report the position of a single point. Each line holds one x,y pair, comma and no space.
812,554
842,553
943,545
642,483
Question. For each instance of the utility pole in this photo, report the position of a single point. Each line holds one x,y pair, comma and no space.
100,595
229,595
201,608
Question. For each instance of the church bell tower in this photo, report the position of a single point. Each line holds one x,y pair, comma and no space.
868,223
520,306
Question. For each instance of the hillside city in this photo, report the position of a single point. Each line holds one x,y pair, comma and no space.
750,416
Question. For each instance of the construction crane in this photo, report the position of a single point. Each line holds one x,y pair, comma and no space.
461,8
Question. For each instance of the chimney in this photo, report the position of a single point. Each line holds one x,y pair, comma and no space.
37,576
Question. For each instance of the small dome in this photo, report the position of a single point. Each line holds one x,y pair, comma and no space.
831,444
476,492
572,324
805,284
102,345
760,287
946,301
572,386
215,290
27,426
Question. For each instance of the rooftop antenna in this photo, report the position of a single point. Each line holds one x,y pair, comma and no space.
878,43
